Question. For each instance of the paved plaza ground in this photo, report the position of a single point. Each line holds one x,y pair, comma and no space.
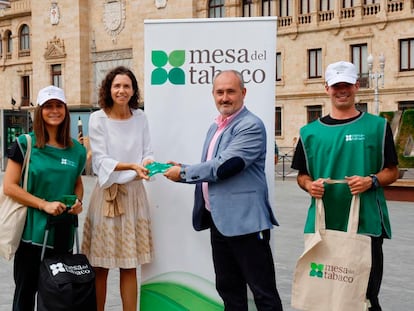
397,292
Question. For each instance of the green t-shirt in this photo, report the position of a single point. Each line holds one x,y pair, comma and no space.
52,174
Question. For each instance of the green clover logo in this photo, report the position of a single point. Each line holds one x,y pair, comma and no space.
175,75
316,270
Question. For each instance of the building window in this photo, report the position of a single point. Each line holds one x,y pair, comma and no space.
278,121
278,66
314,112
25,91
284,8
306,6
359,59
267,7
24,48
407,54
216,8
315,63
347,3
9,48
247,8
56,72
327,5
1,47
362,107
404,105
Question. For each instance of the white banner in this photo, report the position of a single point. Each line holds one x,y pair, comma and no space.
181,59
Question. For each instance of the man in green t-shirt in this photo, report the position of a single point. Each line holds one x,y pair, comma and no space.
355,146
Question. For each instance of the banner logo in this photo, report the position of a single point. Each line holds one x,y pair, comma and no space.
331,272
200,66
161,75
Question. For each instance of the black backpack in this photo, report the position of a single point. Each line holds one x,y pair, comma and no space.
66,281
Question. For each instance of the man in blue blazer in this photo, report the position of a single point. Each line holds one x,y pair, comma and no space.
231,198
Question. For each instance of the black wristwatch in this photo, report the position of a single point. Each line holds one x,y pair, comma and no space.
375,184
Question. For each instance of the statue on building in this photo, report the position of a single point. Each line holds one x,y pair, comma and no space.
54,13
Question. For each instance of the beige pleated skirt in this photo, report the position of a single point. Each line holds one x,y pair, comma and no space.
122,241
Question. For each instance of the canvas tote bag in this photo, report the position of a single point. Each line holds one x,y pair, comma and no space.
13,214
332,273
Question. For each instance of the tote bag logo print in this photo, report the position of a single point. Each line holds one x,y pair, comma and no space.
161,75
316,270
331,272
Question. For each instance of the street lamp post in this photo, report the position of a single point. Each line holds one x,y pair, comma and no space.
375,76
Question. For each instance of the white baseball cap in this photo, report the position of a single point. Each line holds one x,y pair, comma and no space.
341,72
50,92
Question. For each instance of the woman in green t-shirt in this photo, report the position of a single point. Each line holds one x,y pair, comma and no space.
55,168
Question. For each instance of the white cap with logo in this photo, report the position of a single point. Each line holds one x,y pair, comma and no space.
341,72
50,92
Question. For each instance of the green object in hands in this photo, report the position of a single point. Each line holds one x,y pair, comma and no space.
157,167
69,200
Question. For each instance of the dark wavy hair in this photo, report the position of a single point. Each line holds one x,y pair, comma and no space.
105,99
42,136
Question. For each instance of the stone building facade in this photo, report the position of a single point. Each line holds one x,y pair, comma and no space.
72,44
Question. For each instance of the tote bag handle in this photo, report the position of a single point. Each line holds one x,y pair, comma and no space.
353,220
26,160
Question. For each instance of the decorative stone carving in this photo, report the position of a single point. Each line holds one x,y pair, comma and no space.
160,4
114,17
358,33
54,13
112,55
55,49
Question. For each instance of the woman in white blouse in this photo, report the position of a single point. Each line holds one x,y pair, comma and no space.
117,229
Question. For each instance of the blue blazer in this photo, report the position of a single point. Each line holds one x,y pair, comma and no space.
239,204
